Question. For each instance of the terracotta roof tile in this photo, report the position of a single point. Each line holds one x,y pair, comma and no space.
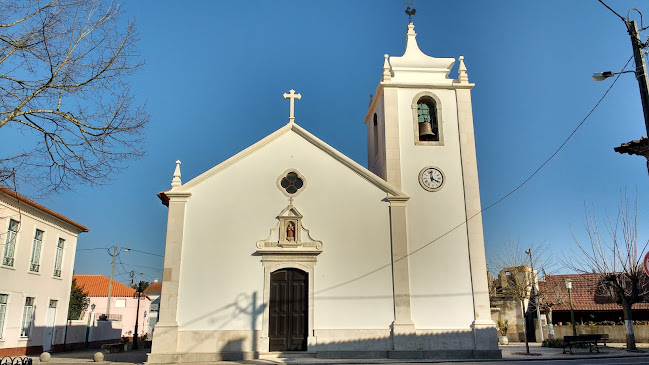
154,288
584,293
97,286
27,201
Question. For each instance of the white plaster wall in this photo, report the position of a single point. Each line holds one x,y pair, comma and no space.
221,281
439,273
19,283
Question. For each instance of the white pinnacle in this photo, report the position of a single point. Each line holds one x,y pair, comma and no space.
176,180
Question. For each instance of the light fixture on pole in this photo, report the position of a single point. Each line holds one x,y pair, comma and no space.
112,272
572,312
601,76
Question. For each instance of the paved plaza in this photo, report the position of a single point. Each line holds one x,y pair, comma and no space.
512,353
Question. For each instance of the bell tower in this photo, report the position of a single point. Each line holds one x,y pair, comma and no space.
421,139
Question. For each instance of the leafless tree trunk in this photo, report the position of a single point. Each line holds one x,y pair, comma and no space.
64,88
614,256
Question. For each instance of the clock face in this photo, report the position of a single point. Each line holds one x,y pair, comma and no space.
431,178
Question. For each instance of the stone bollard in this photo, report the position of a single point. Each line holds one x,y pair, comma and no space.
98,357
45,357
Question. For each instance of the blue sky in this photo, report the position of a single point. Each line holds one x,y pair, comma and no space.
215,73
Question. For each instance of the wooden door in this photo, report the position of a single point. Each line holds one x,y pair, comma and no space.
287,329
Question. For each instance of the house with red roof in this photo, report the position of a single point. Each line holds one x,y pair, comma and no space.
153,291
123,303
589,302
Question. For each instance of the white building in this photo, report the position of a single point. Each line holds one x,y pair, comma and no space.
303,249
153,291
38,247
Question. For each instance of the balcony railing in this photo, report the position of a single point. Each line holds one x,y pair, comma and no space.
34,267
8,261
57,273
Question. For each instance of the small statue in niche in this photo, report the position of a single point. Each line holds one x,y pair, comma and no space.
290,231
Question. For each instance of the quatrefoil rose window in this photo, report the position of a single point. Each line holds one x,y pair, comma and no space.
291,183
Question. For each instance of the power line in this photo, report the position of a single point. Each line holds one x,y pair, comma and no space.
147,253
90,249
609,8
144,267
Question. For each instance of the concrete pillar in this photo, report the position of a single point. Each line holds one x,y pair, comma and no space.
165,335
403,328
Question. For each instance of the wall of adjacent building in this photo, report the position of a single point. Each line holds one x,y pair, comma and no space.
18,282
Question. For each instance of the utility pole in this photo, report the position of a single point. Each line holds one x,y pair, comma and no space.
138,294
640,69
110,282
536,301
638,147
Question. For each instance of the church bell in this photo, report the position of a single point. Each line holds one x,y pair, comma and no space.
426,131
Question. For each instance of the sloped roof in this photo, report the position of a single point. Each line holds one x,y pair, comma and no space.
154,288
366,174
585,296
97,286
32,203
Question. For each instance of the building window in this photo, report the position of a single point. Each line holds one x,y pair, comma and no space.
59,258
376,134
120,303
427,119
3,311
10,245
291,183
28,317
36,251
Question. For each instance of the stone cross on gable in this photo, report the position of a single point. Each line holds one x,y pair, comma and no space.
292,95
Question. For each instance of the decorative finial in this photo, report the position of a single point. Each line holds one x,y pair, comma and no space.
292,95
410,11
387,75
176,180
462,75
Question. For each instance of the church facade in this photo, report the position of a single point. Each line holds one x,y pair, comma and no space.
308,252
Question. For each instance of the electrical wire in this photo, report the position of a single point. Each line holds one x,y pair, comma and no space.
147,253
609,8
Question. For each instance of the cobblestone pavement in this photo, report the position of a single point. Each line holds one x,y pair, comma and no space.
511,352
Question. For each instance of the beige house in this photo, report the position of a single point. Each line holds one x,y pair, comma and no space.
38,247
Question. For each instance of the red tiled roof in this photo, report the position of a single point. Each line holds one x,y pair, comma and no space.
27,201
154,288
97,286
585,296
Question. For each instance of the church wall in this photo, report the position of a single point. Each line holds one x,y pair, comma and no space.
440,280
221,277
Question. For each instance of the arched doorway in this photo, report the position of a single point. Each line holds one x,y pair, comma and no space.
288,310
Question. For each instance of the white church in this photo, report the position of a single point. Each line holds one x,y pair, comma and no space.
314,255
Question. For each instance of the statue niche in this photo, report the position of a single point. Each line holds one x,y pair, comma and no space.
289,235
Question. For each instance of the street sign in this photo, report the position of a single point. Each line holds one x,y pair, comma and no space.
646,263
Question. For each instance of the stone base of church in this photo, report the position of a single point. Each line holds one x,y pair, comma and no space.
188,358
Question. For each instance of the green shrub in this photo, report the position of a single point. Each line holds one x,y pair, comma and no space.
552,342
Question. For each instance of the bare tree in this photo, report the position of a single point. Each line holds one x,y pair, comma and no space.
614,256
516,280
550,296
65,67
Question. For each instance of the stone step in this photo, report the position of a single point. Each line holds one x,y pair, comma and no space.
287,355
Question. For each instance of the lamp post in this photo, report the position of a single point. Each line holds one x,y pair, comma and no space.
112,272
572,312
536,300
137,294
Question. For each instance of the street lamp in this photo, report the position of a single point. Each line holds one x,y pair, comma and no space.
138,295
601,76
572,312
536,294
